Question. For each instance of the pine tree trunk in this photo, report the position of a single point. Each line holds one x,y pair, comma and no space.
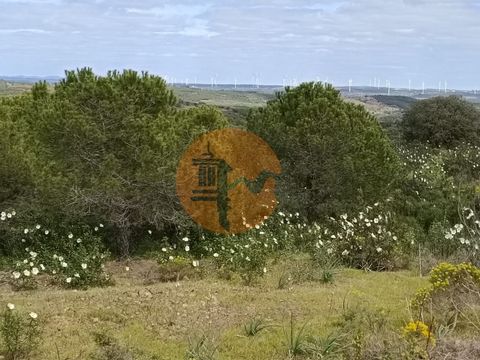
124,242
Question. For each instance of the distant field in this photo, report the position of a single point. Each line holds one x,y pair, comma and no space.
226,98
9,88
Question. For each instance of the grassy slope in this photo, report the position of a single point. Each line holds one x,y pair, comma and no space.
159,319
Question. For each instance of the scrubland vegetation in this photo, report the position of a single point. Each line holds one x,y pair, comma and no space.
372,253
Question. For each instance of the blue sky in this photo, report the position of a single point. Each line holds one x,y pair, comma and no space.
274,41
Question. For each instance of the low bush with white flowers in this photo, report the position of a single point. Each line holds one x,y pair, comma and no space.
365,240
71,259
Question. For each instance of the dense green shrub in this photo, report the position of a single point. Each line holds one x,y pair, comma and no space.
334,154
429,191
106,147
442,121
15,176
365,240
72,259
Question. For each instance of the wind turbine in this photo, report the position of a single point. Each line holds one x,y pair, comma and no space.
350,85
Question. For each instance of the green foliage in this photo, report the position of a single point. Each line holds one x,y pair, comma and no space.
334,154
365,240
20,335
15,175
442,122
107,148
429,191
254,326
72,259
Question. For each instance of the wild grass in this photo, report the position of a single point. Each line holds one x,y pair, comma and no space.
160,319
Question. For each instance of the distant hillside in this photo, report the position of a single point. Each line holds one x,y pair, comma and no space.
11,88
30,79
402,102
225,98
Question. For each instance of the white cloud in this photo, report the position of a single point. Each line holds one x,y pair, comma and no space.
195,28
41,2
171,11
32,31
404,31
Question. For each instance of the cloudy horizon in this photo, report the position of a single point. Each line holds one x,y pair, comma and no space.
272,42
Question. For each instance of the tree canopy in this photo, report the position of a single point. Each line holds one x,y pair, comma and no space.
442,122
334,154
106,148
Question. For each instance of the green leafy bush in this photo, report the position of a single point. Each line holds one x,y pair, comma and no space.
442,122
72,261
334,154
107,147
365,240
